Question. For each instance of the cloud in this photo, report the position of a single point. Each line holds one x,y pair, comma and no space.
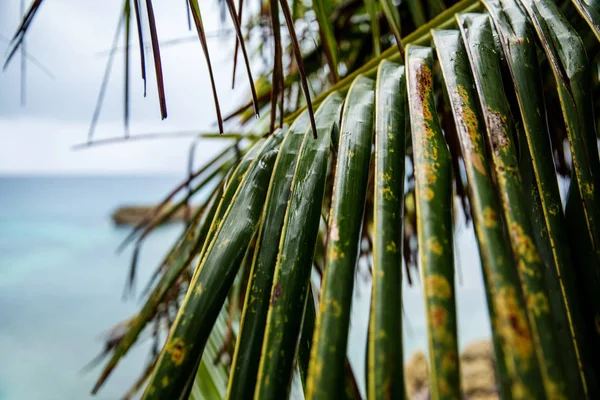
32,146
67,38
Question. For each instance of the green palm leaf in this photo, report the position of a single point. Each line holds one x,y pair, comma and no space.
328,354
371,7
327,37
590,11
296,249
498,272
393,18
247,353
549,228
476,32
306,335
433,192
210,379
569,65
385,373
213,278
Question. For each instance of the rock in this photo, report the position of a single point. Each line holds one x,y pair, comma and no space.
477,371
416,374
133,215
478,376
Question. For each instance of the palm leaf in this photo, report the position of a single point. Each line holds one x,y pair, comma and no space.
421,35
417,12
385,363
256,305
195,11
127,17
590,11
19,36
213,278
123,19
287,13
240,8
518,43
296,249
327,38
306,335
233,181
393,19
175,263
493,246
240,40
211,380
435,7
348,201
371,7
277,80
433,192
475,29
570,69
138,20
157,60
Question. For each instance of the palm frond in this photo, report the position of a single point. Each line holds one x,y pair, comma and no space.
213,278
480,86
256,306
385,363
498,270
295,253
494,121
348,199
195,11
433,193
328,40
157,59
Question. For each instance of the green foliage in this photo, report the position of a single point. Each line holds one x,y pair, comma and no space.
281,208
433,195
385,362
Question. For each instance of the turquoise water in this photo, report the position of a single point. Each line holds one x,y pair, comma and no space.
61,281
61,286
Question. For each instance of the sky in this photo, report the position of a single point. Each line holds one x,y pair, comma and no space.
70,38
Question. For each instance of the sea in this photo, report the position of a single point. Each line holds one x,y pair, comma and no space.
62,284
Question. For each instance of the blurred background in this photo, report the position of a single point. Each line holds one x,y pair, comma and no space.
61,280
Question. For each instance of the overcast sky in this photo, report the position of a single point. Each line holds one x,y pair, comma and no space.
67,37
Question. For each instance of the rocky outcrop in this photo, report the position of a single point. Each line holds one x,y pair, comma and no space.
478,377
416,376
133,215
